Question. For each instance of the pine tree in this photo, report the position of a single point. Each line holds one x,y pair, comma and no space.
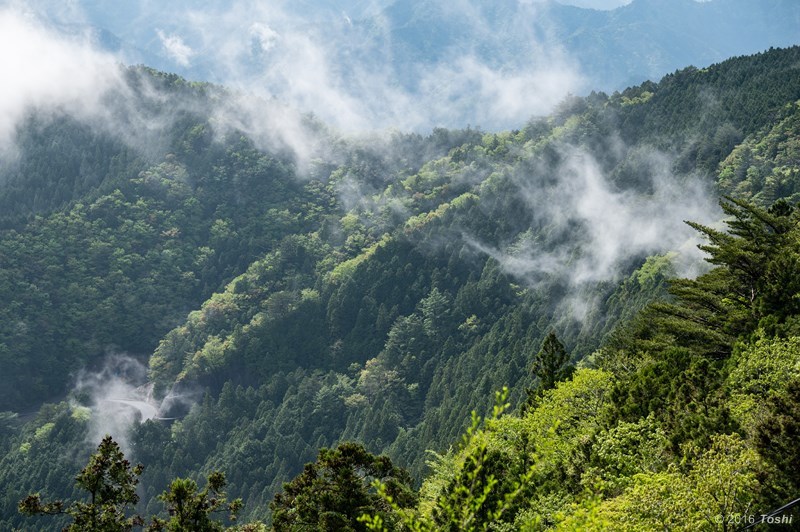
753,279
191,508
111,483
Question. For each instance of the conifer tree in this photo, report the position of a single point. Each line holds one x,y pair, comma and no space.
191,509
335,491
111,484
550,365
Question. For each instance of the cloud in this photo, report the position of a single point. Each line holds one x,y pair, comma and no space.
598,227
117,397
275,60
282,63
346,74
495,97
275,127
176,48
263,36
57,70
53,71
49,73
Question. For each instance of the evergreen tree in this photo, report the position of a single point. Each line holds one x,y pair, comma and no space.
550,365
332,493
191,509
111,483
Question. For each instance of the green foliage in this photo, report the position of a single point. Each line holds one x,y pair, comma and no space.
550,365
682,344
8,425
474,498
763,384
627,449
763,168
761,371
584,461
521,459
61,160
776,436
130,242
191,509
719,489
110,482
379,301
333,492
478,495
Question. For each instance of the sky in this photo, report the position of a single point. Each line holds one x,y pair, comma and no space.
311,55
268,51
596,4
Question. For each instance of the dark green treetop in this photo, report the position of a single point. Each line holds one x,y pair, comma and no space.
550,365
191,509
111,483
333,492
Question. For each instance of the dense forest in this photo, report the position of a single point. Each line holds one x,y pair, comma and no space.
396,291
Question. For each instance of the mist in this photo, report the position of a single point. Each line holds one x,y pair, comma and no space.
317,61
49,73
117,396
598,229
324,68
55,73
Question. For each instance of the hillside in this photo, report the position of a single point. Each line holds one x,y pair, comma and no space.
489,64
612,49
383,289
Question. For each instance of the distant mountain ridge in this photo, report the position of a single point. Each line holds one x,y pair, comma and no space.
645,39
382,297
435,52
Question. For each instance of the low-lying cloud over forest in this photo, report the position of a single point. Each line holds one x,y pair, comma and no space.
372,65
282,67
332,71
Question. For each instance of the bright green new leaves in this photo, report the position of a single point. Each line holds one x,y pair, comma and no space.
472,492
717,490
760,371
628,449
764,168
500,470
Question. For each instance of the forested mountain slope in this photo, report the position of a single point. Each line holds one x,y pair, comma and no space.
109,241
686,419
382,291
475,62
642,40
